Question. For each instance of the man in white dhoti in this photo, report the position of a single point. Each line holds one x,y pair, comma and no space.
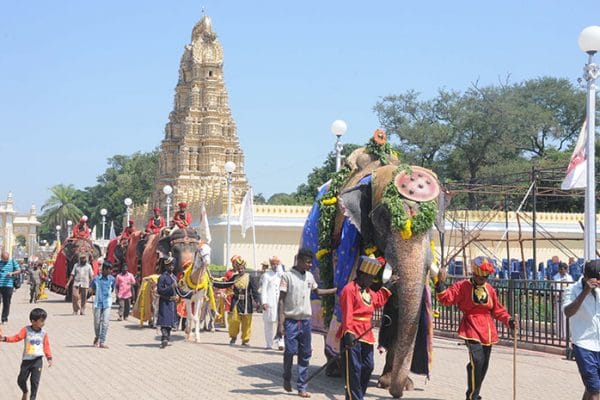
270,296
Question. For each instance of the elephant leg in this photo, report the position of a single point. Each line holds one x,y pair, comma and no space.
385,379
400,381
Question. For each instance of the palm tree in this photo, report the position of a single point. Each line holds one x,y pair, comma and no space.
60,207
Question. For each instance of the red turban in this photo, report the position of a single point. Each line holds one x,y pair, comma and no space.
156,209
182,205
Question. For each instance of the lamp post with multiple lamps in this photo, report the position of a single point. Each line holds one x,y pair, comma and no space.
103,212
229,168
589,42
167,190
128,202
58,233
69,228
338,128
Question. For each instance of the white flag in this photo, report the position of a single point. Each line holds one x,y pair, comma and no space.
94,233
112,231
204,228
246,215
576,171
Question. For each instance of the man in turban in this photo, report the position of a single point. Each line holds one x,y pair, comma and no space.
479,304
156,222
182,219
81,230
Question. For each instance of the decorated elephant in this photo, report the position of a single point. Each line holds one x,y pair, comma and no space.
66,259
377,206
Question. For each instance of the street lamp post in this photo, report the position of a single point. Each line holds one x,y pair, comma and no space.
58,233
103,212
69,228
229,168
589,42
128,202
338,128
167,190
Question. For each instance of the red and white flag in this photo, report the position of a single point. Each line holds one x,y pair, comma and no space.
246,214
575,178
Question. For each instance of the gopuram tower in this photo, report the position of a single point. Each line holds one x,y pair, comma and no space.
201,135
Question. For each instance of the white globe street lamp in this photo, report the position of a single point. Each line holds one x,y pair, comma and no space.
338,128
167,190
69,228
128,202
229,168
589,42
103,212
58,233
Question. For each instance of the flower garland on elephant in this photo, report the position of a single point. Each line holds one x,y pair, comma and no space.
328,207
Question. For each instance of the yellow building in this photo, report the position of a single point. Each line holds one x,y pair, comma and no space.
15,224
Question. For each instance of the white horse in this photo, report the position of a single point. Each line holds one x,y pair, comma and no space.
196,283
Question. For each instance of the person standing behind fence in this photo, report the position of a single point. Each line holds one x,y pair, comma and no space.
9,271
582,306
479,304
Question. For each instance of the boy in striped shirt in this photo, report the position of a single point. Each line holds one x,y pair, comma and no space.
37,345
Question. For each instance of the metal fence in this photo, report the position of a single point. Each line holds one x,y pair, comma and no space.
538,304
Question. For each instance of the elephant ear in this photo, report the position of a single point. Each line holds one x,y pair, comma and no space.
356,205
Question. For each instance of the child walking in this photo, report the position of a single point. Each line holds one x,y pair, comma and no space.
37,345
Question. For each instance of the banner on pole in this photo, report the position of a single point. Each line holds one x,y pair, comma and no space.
204,228
246,214
576,171
113,234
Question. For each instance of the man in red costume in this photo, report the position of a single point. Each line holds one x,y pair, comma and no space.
479,304
156,223
130,230
358,303
182,218
81,230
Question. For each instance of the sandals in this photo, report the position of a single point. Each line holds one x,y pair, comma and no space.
305,395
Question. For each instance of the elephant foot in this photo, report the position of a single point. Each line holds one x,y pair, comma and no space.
409,385
384,381
397,388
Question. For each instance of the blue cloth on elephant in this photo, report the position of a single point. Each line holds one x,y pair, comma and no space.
166,307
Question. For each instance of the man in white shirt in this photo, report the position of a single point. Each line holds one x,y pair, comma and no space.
269,290
81,276
582,306
562,280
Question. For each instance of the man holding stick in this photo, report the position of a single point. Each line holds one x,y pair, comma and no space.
294,312
479,304
358,303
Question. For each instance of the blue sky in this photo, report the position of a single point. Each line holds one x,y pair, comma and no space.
81,81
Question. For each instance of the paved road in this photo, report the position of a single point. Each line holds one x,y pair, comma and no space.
135,368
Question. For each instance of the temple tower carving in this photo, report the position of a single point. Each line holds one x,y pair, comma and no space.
201,135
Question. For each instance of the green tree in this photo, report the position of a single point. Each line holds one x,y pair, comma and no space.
305,193
283,199
59,208
21,240
259,199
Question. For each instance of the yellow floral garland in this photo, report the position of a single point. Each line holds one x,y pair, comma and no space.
322,253
371,250
406,232
330,201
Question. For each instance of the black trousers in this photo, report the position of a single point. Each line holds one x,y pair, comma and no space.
165,333
33,292
6,293
31,368
477,367
358,365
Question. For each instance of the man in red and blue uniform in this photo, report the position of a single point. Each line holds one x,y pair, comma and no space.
156,223
479,304
358,303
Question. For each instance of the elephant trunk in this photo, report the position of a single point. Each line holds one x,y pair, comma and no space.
409,260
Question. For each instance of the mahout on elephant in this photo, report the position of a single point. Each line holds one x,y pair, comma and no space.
379,207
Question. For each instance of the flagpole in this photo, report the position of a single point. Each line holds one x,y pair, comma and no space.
254,241
591,72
